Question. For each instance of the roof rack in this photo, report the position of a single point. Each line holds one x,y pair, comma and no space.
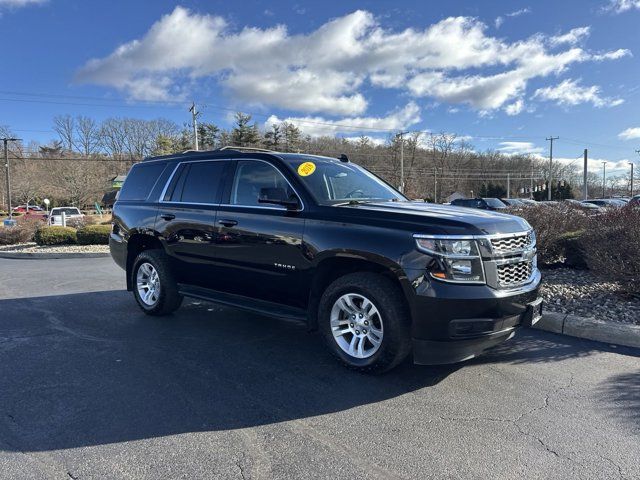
249,149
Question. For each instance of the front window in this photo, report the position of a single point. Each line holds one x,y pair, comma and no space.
494,202
66,211
331,182
252,177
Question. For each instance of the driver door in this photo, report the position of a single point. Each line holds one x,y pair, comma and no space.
260,246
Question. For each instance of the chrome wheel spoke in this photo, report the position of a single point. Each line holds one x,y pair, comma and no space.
148,284
356,325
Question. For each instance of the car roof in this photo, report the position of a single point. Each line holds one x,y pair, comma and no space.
239,153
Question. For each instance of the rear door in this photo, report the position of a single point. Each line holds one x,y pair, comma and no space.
187,219
260,248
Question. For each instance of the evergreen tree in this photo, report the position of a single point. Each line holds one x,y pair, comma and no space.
273,137
244,134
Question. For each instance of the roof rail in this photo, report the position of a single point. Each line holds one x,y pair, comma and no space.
249,149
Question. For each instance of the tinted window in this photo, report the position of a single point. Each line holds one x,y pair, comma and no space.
201,183
67,211
251,176
140,181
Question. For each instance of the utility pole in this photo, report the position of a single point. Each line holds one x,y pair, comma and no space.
435,185
585,192
194,116
508,185
631,164
604,178
551,139
531,183
401,135
8,174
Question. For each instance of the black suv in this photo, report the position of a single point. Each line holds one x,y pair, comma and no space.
325,241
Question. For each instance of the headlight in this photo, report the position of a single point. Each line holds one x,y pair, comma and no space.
455,259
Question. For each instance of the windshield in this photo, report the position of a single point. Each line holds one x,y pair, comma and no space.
332,182
67,211
494,202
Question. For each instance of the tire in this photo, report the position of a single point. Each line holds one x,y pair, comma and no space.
166,298
387,322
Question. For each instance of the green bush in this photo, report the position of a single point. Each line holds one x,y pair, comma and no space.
94,235
55,235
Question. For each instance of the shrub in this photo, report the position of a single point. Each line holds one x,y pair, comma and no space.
94,235
552,223
610,245
573,249
79,223
55,235
22,232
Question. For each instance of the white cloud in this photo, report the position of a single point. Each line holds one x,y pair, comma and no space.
519,148
12,4
375,141
572,37
570,92
613,55
630,133
324,71
320,126
619,6
500,20
515,108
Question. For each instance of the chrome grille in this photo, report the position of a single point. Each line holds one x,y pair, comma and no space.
513,243
514,274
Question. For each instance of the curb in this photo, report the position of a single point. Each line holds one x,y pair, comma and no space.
50,256
624,334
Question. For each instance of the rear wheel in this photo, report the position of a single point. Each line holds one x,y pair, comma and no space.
154,286
364,321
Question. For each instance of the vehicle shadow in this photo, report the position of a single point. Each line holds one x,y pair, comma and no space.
91,369
622,396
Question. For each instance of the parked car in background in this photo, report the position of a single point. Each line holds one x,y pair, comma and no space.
606,202
27,208
635,201
587,207
512,202
529,202
70,213
481,203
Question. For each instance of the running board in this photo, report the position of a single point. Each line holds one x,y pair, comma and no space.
262,307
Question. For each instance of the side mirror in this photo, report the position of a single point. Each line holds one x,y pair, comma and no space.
278,196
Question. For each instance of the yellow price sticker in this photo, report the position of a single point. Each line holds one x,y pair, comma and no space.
307,168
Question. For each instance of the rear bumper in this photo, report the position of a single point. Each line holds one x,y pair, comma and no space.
118,250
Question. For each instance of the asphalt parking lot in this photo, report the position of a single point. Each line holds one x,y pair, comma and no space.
92,388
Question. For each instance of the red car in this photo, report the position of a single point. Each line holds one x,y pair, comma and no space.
31,208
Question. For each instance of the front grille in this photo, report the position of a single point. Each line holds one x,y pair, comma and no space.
513,243
514,274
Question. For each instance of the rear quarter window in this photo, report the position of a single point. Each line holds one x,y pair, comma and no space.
140,181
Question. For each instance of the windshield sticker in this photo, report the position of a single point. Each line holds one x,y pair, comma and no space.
307,168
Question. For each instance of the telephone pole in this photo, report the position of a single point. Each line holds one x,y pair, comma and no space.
604,178
194,116
401,135
7,173
585,192
551,139
631,164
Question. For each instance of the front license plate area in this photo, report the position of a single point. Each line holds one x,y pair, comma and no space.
533,313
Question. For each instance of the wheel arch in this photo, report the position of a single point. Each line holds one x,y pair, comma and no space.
333,265
136,243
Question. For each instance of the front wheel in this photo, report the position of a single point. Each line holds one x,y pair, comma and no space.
364,321
154,286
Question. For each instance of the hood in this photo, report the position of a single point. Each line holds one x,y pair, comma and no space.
443,219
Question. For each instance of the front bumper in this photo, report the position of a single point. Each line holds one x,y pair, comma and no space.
452,323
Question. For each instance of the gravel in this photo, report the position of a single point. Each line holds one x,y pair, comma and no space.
580,293
34,248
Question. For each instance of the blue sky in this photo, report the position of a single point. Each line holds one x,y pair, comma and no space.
504,74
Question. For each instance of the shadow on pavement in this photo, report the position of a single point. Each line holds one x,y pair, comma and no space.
622,393
91,369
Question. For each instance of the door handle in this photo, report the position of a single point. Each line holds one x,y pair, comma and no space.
228,223
168,216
